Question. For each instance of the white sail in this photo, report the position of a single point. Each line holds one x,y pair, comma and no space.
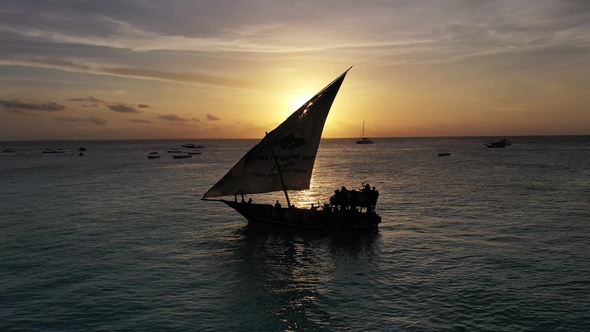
292,147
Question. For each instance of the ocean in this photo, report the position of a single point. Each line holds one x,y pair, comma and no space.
481,240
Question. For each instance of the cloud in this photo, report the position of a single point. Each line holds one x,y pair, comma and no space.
89,99
140,121
122,71
120,108
185,77
22,106
172,117
212,117
374,26
17,111
91,120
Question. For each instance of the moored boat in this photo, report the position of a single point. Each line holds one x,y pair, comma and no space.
53,151
363,139
181,156
283,160
191,146
498,144
153,155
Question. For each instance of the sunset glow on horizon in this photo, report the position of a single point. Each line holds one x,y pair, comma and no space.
237,69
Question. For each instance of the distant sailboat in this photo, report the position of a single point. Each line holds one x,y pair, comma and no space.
283,161
363,139
499,144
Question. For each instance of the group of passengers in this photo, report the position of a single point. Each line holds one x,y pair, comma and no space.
350,199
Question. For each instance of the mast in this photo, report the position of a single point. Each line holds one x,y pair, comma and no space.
280,175
363,135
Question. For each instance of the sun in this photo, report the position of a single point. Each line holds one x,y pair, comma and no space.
298,101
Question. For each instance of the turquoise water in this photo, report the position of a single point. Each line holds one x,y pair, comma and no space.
482,240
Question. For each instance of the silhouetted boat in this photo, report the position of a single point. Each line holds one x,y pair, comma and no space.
54,151
191,146
363,139
181,156
444,154
153,155
284,161
499,144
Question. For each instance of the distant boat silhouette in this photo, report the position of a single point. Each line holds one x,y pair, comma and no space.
363,139
499,144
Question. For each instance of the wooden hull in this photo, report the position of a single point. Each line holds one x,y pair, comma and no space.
322,220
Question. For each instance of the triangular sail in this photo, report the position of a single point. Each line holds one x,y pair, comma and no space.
292,146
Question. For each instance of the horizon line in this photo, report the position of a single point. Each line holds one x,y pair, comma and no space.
229,138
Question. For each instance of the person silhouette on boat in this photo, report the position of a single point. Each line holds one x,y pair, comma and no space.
343,196
335,199
354,199
278,205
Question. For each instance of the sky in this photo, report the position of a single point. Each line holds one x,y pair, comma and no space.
152,69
